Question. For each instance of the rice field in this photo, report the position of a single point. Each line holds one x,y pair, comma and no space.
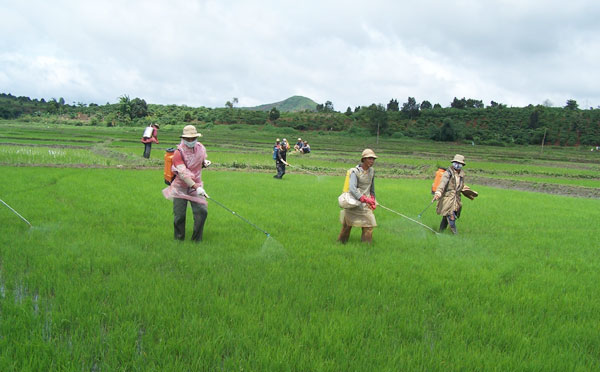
99,284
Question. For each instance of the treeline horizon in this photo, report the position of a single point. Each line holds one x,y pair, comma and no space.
464,120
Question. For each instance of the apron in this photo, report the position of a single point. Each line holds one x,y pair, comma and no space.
361,216
193,159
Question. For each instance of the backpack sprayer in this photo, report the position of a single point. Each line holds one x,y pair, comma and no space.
15,212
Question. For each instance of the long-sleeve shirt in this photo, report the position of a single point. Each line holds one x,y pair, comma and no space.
353,186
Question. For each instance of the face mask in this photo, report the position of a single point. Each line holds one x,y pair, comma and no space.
190,144
457,166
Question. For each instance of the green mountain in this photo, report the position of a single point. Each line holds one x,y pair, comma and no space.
292,104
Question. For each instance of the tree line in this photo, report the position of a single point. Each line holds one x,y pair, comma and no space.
464,119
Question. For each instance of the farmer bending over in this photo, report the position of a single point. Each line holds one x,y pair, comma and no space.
362,187
188,161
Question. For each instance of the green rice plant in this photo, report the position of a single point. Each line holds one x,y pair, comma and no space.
19,155
99,283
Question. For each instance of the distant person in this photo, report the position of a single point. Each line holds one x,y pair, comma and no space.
449,191
150,136
305,147
287,144
362,188
280,159
298,146
275,150
188,161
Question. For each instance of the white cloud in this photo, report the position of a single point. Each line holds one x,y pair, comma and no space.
352,53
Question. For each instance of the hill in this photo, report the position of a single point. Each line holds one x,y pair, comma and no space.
292,104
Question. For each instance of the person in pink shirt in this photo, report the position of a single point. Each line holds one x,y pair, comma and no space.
188,161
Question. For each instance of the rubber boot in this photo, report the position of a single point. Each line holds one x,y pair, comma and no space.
344,234
367,235
443,224
452,223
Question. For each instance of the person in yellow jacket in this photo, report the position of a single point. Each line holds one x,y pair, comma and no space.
362,188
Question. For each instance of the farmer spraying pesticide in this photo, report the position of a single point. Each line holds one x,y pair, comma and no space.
361,187
280,155
188,161
150,136
448,193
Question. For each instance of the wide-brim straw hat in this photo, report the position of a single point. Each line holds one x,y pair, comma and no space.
368,153
459,159
189,131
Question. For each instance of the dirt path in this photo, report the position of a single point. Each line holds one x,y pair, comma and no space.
546,188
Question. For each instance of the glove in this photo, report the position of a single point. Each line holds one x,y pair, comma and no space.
371,203
363,199
206,163
201,192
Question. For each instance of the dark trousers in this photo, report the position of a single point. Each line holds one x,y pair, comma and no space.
449,220
147,149
280,170
179,212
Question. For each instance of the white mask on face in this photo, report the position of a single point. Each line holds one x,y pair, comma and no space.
190,144
457,166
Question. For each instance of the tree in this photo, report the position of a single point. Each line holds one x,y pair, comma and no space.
348,111
393,105
410,108
458,103
232,103
377,119
53,106
474,103
125,106
426,105
274,114
138,108
572,105
326,107
534,119
446,133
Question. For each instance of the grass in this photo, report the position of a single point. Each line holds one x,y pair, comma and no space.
99,283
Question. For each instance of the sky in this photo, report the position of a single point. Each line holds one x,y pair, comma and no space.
352,53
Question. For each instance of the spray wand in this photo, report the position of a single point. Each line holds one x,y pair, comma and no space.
408,218
237,215
15,212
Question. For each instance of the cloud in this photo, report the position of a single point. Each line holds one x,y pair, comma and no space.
351,53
